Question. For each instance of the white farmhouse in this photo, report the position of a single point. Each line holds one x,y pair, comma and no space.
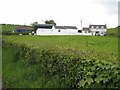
98,29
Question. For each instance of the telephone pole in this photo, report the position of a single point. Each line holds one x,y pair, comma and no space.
81,24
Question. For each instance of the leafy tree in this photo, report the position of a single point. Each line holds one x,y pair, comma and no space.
50,22
32,24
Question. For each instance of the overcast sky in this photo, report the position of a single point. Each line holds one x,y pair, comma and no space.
63,12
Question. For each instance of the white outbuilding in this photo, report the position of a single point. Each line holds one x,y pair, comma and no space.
50,29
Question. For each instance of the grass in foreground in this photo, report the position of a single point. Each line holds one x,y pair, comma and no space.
93,71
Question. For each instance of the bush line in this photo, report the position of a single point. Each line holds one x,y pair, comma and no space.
76,72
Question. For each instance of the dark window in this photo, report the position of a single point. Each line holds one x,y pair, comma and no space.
79,31
58,30
97,32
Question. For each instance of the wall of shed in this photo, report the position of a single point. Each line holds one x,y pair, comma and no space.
55,31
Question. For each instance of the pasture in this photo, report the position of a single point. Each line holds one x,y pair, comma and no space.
108,45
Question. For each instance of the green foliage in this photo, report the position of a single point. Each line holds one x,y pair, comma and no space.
19,72
75,71
50,22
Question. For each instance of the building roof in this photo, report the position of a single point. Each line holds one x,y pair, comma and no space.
45,26
99,26
49,26
70,27
23,28
65,27
85,28
60,27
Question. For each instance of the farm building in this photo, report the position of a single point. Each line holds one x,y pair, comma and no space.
43,29
86,31
23,29
66,30
50,29
98,29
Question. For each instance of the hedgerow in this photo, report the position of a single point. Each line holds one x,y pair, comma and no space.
76,71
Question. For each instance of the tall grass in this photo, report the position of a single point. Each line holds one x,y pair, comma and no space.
17,73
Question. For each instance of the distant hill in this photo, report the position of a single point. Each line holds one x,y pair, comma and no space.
8,27
112,31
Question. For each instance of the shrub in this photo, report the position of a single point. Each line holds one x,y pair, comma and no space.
74,71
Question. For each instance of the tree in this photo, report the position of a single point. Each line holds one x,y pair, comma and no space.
50,22
32,24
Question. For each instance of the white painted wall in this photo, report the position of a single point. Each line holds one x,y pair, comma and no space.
102,32
54,31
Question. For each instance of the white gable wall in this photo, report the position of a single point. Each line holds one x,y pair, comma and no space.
40,31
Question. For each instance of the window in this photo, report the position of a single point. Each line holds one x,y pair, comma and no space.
97,32
92,27
102,27
79,31
97,27
102,32
58,30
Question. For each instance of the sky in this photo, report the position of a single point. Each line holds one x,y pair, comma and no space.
63,12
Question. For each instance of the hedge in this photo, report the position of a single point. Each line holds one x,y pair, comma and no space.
75,71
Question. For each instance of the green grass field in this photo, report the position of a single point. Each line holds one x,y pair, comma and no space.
112,31
83,43
8,28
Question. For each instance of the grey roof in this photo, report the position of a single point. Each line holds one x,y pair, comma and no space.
22,28
99,26
85,28
49,26
46,26
65,27
60,27
70,27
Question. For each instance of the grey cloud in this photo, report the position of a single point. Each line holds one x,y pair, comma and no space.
111,6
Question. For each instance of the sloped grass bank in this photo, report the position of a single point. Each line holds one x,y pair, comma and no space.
33,67
18,72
